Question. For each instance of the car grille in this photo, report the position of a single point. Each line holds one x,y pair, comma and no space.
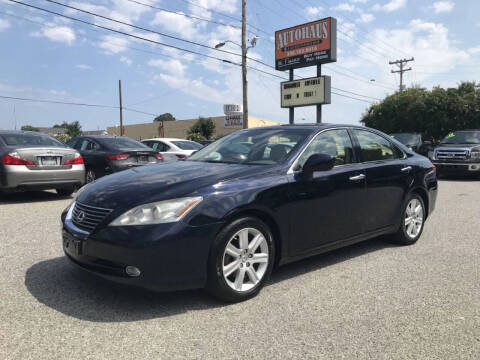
452,155
88,217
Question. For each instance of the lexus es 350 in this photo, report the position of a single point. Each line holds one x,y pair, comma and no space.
225,217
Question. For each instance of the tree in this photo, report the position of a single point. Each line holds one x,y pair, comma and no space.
203,129
165,117
72,129
433,113
29,128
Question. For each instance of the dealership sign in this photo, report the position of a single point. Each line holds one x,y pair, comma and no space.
234,120
229,109
304,92
306,45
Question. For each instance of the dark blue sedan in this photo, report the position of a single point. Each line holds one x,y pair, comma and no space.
227,216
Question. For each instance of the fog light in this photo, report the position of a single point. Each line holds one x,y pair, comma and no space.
132,271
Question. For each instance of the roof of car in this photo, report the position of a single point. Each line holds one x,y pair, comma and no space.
22,132
166,139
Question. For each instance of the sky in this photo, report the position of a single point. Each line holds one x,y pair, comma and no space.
45,56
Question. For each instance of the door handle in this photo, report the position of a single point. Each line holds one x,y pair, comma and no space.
406,169
357,177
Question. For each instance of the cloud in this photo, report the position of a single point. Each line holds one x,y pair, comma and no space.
4,24
359,1
312,11
344,7
173,66
83,67
113,44
62,34
443,6
392,5
366,18
126,60
176,23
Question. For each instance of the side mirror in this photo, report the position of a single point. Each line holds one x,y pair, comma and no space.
317,162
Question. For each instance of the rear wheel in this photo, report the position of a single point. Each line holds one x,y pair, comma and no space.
241,260
65,192
413,218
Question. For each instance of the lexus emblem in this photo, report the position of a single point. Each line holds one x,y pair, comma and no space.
80,216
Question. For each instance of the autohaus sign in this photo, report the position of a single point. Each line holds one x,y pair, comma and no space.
306,45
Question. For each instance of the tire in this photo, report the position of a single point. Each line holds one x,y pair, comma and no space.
255,264
90,175
410,231
65,192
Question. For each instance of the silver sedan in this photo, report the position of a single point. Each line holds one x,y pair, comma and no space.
36,161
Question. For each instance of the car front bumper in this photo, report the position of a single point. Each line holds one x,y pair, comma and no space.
21,177
453,167
169,256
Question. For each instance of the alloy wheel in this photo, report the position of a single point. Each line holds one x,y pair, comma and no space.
245,259
413,218
90,177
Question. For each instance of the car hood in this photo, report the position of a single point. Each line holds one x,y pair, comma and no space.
456,146
158,182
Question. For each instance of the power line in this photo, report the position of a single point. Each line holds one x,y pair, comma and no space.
159,33
73,103
155,42
222,14
183,14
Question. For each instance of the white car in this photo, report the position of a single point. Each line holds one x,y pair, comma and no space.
170,147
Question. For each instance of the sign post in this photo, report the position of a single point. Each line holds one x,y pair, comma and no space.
310,44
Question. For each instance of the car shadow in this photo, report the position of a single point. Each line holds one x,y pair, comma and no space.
74,292
30,197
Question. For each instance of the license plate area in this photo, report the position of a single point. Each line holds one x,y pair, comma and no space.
72,245
142,159
49,160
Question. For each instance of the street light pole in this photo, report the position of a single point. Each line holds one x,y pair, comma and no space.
244,64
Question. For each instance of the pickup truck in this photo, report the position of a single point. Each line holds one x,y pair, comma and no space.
458,154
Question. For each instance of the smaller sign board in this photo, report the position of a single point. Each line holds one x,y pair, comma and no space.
234,120
232,109
308,44
304,92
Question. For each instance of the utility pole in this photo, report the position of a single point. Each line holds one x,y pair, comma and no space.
121,108
401,63
244,64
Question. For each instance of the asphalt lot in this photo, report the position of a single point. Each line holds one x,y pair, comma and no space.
368,301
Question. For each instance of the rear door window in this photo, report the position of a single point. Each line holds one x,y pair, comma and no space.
374,147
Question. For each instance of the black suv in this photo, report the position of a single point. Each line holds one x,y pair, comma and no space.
458,153
104,155
415,142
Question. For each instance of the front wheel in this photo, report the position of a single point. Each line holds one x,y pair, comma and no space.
413,219
241,260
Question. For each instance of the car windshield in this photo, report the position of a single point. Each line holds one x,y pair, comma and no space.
187,145
253,147
119,143
407,138
30,140
462,137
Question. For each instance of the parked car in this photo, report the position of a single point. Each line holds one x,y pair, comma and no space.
223,222
458,153
36,161
205,142
415,142
181,148
105,155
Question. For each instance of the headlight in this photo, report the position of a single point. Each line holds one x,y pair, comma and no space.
431,155
475,155
158,212
70,211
